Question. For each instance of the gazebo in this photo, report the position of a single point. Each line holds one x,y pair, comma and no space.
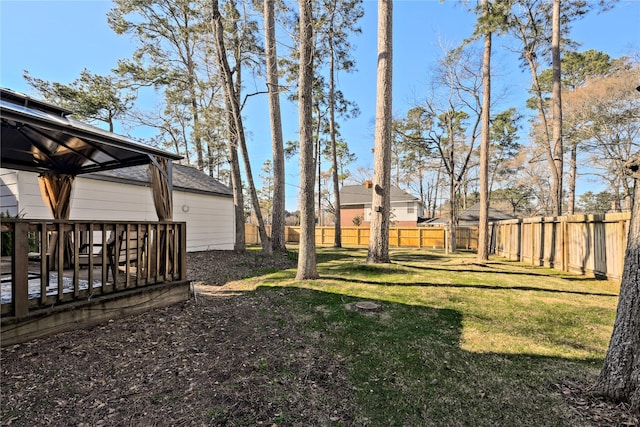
64,273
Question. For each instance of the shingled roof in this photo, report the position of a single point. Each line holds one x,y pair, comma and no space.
185,178
471,216
359,195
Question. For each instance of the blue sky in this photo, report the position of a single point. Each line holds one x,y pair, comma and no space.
55,40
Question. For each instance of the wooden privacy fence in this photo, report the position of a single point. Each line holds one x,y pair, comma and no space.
399,237
583,244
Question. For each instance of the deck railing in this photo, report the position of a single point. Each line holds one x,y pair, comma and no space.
54,263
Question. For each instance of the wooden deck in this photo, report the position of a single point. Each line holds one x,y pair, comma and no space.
107,269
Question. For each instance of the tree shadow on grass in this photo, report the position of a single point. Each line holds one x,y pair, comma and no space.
327,254
405,366
470,286
494,268
415,255
374,270
338,254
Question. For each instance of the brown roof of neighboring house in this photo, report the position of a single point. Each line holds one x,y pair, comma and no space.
360,195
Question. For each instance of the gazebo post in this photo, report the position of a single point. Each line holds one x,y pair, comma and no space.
55,190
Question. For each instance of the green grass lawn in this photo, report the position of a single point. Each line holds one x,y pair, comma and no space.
455,342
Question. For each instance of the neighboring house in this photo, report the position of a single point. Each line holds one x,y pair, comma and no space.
355,201
470,217
203,203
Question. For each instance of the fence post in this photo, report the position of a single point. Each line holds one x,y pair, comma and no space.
511,240
533,244
593,243
623,246
519,229
541,243
444,239
565,246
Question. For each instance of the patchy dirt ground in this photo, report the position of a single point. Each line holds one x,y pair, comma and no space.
226,360
216,268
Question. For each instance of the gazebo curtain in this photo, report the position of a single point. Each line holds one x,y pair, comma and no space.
56,193
161,187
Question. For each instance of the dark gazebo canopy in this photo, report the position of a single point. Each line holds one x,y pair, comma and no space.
40,137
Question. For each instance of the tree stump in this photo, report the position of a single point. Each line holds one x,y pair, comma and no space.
364,306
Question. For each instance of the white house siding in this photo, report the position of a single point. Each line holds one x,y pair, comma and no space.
94,199
30,198
209,218
9,191
399,211
25,194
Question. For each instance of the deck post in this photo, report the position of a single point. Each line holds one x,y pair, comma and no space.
20,269
183,252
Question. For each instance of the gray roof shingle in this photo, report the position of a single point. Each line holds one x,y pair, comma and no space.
360,195
185,178
471,216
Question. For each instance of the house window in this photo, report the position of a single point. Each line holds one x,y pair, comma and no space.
410,207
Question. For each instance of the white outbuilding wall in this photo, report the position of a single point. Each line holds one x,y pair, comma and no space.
8,191
209,217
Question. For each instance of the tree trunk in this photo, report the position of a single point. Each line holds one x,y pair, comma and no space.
483,224
435,191
307,255
573,176
423,196
337,240
278,210
453,214
234,105
450,166
558,149
620,375
555,183
381,201
319,165
197,140
240,244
